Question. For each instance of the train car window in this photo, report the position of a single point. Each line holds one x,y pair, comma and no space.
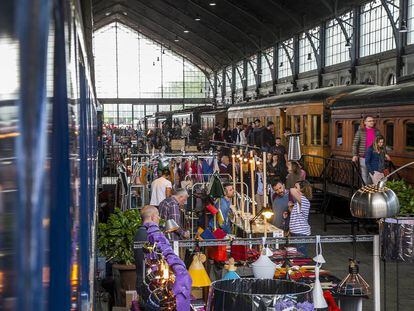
409,136
296,123
389,135
277,126
339,134
305,130
316,129
355,126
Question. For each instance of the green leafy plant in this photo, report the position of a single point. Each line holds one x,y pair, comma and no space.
405,194
116,237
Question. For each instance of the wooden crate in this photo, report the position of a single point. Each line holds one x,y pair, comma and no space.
191,148
177,144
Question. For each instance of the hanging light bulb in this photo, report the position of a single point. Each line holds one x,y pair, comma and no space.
153,63
158,58
281,64
353,284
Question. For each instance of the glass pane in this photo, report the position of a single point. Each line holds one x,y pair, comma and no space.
409,136
339,134
356,126
305,130
389,136
316,129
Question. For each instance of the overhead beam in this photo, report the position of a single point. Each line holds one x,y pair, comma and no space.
218,49
155,25
157,37
253,17
289,13
235,27
202,25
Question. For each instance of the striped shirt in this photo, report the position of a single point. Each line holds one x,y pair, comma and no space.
299,217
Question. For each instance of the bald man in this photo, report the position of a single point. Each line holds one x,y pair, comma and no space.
149,213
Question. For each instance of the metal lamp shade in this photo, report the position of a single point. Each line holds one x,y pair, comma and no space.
374,202
171,226
294,152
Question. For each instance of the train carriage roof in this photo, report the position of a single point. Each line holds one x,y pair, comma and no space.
196,109
213,111
378,96
305,97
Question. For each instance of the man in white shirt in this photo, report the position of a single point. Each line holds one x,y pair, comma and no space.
160,188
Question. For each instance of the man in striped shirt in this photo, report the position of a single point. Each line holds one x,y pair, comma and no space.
170,209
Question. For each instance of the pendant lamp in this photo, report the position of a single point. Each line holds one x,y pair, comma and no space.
197,271
294,152
319,301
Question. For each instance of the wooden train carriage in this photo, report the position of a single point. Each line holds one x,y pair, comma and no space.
305,112
210,118
189,115
393,109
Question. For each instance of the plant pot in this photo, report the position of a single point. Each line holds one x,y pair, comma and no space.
397,239
125,278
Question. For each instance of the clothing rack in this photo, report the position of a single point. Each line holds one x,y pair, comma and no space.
229,145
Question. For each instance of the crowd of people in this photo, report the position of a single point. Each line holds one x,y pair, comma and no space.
253,134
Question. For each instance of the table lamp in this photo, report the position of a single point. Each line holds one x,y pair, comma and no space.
267,213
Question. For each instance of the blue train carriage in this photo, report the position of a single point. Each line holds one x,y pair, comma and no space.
48,159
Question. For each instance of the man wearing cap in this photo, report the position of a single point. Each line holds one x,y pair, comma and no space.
170,209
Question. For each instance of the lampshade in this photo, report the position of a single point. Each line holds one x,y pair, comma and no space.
374,202
319,301
197,271
215,187
171,226
294,152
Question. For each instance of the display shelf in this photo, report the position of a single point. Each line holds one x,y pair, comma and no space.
272,240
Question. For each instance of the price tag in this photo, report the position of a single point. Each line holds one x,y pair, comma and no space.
176,248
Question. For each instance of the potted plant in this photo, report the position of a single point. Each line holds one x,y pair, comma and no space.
397,234
115,242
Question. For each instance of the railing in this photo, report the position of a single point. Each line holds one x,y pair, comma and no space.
337,175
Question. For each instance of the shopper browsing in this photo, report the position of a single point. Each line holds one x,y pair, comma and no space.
170,209
148,214
161,188
224,205
299,212
280,205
